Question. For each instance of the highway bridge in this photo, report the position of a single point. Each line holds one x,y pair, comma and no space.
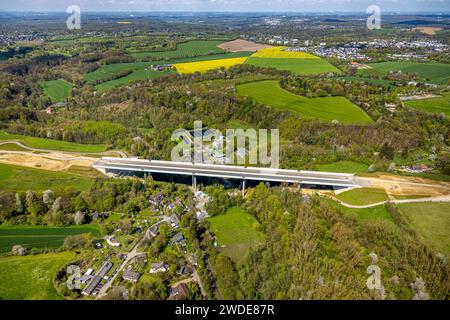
194,170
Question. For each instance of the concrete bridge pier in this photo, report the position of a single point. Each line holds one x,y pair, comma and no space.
194,183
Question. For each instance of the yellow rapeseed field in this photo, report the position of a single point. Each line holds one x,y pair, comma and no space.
203,66
278,52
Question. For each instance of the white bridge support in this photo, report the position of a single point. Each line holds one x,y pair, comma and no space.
194,183
297,177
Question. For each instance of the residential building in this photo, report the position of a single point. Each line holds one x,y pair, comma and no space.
130,275
159,267
175,221
181,291
90,288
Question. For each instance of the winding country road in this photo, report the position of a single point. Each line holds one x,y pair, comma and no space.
20,144
418,200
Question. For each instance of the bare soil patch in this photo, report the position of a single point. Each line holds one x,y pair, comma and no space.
242,45
404,186
428,30
42,162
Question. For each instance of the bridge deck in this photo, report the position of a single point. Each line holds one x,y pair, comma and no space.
228,172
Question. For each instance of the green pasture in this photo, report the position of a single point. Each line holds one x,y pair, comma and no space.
298,66
40,236
431,220
236,231
363,196
327,108
438,73
49,144
17,178
186,49
343,167
57,90
434,105
31,277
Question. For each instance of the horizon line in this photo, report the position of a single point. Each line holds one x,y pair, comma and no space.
223,11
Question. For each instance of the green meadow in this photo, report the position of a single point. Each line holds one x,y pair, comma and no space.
16,178
434,105
326,109
378,82
363,196
138,75
298,66
430,220
343,167
438,73
31,277
57,90
236,231
49,144
186,49
40,236
12,147
373,214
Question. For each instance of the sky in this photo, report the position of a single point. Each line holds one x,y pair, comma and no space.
228,5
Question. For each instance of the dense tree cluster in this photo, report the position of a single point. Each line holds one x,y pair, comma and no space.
314,251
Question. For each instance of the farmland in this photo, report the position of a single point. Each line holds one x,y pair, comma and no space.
297,66
184,50
431,220
49,144
109,70
326,109
367,80
242,45
141,70
57,90
31,277
203,66
296,62
279,53
17,178
40,237
438,73
435,105
137,75
236,231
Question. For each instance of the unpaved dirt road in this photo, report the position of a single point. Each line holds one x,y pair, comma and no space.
50,159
